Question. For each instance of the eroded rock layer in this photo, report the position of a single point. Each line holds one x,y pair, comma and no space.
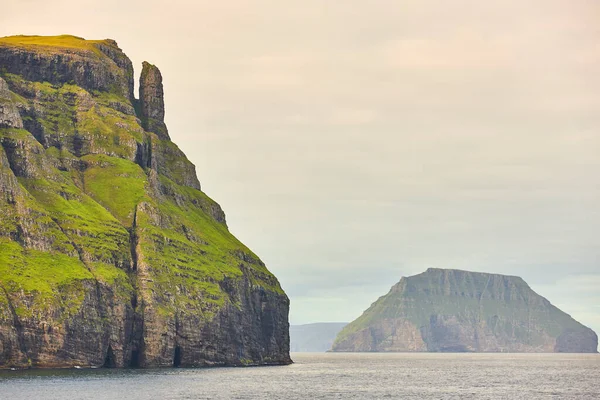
459,311
110,254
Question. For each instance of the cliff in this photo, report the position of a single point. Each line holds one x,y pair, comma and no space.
459,311
110,253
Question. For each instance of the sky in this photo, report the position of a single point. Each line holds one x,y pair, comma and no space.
353,143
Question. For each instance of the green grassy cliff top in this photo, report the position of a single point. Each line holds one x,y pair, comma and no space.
61,41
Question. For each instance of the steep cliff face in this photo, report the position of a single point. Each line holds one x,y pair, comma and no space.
459,311
110,254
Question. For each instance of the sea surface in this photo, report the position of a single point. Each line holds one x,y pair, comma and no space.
330,376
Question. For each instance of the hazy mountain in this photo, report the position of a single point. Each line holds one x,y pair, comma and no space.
459,311
316,337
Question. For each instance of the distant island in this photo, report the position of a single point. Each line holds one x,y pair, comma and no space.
445,310
317,337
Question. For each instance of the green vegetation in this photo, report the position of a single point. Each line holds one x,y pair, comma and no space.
52,42
190,252
37,271
14,134
117,184
51,279
112,276
69,224
173,163
247,362
89,227
90,122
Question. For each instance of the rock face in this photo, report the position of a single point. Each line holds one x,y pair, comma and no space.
459,311
110,254
90,64
152,102
9,114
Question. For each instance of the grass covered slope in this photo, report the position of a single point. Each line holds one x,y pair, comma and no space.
110,254
52,43
452,310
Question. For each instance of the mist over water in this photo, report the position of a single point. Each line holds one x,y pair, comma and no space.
330,376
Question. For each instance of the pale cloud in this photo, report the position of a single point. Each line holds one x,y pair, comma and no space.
465,50
352,117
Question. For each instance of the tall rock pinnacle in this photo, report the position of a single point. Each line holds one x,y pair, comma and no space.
152,102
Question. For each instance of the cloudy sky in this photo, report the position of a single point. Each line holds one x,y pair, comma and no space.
352,143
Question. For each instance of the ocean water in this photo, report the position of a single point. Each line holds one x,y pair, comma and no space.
330,376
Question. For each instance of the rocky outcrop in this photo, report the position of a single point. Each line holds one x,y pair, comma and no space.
152,104
9,114
91,65
459,311
110,255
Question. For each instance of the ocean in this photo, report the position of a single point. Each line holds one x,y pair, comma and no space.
330,376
